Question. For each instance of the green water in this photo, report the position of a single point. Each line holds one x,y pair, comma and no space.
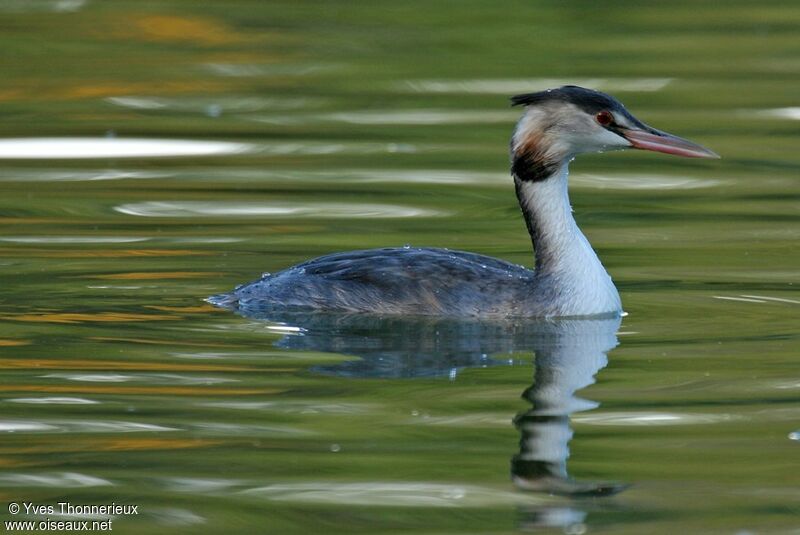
379,124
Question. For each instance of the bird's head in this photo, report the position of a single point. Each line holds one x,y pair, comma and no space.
560,123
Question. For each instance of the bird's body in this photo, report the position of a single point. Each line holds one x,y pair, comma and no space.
569,279
399,280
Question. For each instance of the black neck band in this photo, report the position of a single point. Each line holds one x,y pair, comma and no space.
531,169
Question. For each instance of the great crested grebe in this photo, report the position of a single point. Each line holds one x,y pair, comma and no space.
569,279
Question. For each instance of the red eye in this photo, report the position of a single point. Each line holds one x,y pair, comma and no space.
604,118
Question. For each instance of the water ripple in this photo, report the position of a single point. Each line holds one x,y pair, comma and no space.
297,407
389,494
642,182
411,176
363,175
464,420
99,147
13,427
650,418
54,401
757,299
225,429
72,239
26,175
149,378
64,479
324,210
792,113
324,148
80,426
403,117
422,117
173,516
198,485
525,85
203,239
211,106
26,6
250,69
114,427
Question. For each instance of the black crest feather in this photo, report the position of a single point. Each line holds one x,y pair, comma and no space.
580,96
589,100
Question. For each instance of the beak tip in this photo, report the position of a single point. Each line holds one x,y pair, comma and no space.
710,154
657,141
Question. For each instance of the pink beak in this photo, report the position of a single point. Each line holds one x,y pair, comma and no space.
658,141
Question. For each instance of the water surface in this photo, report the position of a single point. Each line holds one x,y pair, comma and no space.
157,153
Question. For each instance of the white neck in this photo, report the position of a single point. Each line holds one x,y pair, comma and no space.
568,273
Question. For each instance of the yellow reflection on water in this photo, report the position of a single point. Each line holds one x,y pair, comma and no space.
170,28
99,253
190,310
106,89
77,317
159,390
104,444
5,342
149,443
72,364
161,342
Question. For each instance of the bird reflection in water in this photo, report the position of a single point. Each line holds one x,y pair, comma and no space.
568,355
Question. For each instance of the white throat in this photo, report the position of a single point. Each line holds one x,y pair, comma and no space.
569,274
